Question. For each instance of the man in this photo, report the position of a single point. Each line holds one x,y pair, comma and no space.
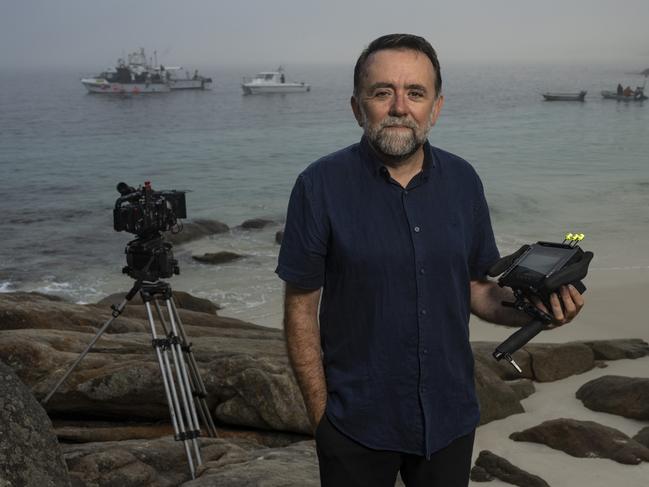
395,234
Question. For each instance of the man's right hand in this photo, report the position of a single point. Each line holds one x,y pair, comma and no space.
303,347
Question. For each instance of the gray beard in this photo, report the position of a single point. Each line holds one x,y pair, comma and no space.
395,146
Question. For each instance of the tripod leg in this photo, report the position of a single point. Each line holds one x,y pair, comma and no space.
183,380
199,389
83,354
117,310
170,390
195,390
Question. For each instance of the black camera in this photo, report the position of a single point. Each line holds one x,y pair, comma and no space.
144,211
537,271
147,213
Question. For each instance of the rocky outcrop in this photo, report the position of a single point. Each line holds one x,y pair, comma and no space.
643,437
522,387
278,467
116,393
625,396
483,351
585,439
489,466
158,462
552,362
197,229
497,400
89,431
544,362
244,367
256,224
221,257
30,453
619,349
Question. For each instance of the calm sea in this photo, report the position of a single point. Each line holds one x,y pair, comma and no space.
548,168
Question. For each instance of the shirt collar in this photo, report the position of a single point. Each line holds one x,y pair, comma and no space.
376,166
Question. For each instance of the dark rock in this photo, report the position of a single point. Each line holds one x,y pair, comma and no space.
625,396
483,351
497,400
28,448
134,463
643,437
552,362
619,349
279,236
182,299
296,465
197,229
585,439
217,257
492,465
88,431
522,387
242,364
256,224
479,474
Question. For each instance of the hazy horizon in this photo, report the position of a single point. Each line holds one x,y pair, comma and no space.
91,34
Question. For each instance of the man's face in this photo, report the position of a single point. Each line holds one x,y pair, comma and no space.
396,103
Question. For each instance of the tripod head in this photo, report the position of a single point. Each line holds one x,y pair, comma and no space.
150,258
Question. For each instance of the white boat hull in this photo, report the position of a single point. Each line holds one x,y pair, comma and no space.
98,85
189,84
260,88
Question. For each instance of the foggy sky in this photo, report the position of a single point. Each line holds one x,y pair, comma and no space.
93,33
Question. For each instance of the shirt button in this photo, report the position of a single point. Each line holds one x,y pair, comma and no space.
425,351
423,311
416,229
422,271
405,191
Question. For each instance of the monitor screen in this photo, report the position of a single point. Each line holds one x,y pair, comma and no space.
543,259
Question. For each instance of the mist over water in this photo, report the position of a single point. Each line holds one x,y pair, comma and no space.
547,167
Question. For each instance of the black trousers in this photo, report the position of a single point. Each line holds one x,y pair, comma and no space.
346,463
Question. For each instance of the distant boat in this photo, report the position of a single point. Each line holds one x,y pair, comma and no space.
272,82
612,95
565,96
137,75
133,76
195,82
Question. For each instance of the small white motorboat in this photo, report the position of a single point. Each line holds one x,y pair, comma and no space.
272,82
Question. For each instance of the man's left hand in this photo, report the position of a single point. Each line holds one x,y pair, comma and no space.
565,308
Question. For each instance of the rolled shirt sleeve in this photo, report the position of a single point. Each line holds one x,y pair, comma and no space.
304,244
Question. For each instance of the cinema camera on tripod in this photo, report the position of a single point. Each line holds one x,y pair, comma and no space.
147,213
537,271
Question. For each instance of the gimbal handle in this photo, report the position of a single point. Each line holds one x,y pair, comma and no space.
517,340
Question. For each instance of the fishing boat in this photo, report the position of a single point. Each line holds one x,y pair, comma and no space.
194,82
138,75
638,95
272,82
565,96
133,76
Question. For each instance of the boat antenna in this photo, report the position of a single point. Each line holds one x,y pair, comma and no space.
155,57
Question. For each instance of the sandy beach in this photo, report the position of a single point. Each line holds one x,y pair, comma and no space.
615,309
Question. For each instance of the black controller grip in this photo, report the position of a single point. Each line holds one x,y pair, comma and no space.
518,339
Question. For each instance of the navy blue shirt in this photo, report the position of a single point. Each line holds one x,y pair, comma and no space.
395,266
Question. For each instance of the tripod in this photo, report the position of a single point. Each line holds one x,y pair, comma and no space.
182,381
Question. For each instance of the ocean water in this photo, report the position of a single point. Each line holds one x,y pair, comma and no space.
548,168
